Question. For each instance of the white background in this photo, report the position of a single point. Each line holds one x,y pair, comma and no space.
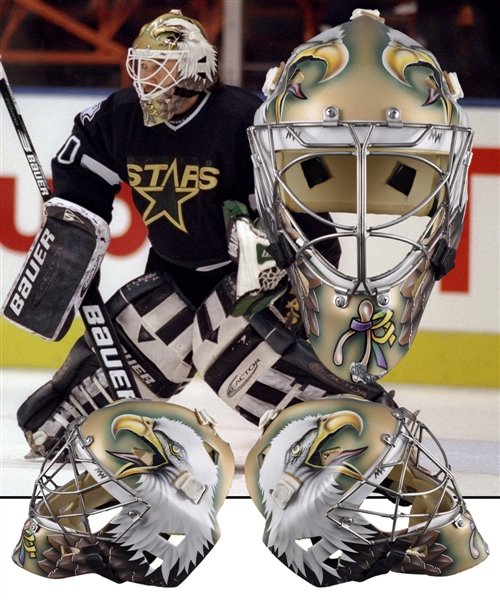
240,566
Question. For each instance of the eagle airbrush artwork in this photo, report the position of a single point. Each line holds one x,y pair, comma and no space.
345,483
156,473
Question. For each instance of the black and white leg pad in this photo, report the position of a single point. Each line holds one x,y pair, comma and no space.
60,265
155,326
255,363
83,399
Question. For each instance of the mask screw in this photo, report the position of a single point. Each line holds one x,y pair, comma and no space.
132,514
33,526
393,116
88,440
387,438
331,112
347,521
383,300
459,523
340,302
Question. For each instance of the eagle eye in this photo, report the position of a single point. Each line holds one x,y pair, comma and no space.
297,449
174,449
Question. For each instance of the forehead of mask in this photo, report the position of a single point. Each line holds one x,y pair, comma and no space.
99,427
290,427
167,31
362,67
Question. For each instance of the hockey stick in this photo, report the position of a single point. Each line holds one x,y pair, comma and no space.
93,311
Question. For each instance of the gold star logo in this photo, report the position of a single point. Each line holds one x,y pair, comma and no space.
166,194
152,214
167,186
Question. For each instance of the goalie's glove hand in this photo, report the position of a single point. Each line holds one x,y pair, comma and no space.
258,275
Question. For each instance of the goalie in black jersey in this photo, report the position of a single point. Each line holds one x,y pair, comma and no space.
178,137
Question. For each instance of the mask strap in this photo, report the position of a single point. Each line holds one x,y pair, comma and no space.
94,561
394,556
184,93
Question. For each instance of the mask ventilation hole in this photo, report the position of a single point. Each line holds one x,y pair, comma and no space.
155,562
214,455
402,179
307,543
314,171
172,538
333,561
98,520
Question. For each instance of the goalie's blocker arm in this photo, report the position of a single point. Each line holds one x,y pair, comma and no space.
59,267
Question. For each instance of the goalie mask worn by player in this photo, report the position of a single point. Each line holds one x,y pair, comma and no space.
175,121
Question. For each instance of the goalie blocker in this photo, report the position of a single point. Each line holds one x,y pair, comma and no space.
59,267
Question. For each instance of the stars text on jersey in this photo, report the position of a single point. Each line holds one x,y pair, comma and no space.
168,185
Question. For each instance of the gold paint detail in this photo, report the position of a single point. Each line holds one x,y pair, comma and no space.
277,76
143,427
334,54
331,424
396,58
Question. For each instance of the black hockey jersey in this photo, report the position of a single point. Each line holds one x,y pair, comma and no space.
179,174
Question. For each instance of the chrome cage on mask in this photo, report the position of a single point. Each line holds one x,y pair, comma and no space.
414,476
166,77
361,140
72,504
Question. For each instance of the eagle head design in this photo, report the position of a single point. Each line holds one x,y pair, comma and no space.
177,477
299,480
149,479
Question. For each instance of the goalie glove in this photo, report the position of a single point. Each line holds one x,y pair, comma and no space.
61,264
257,273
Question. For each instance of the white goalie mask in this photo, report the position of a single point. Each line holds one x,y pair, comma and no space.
146,480
170,60
363,124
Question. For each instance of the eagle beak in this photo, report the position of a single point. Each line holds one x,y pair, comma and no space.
140,461
334,457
